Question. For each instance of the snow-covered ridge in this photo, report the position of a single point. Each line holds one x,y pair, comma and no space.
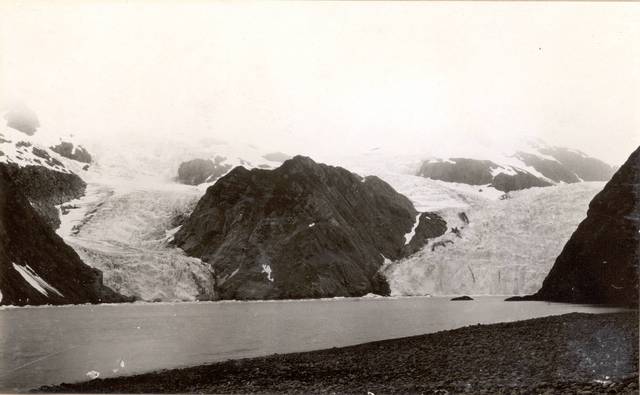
36,150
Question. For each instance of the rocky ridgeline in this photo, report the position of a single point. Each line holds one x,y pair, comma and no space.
36,266
198,171
550,165
599,264
303,230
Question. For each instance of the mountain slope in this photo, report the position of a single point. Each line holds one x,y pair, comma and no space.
302,230
599,264
36,267
534,164
46,178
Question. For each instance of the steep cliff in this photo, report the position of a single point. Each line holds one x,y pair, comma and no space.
36,266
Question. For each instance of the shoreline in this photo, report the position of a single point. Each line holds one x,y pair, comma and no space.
504,298
556,354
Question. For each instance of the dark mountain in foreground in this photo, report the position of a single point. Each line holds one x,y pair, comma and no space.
599,264
302,230
36,266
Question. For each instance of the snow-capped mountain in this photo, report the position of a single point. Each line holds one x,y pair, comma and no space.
533,164
60,154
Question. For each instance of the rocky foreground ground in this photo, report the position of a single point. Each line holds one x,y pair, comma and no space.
573,353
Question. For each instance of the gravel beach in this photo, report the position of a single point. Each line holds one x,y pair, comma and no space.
572,353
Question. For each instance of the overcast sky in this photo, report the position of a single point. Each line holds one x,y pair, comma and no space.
321,77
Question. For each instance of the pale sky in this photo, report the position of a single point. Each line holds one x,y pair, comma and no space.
319,77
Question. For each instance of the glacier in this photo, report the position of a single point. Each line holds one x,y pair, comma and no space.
507,248
125,222
121,229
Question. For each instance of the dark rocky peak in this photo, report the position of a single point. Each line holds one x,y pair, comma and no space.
22,118
73,152
198,171
302,230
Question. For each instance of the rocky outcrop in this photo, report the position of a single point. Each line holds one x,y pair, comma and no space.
73,152
461,170
462,298
515,182
303,230
46,188
480,172
197,171
552,169
599,263
36,266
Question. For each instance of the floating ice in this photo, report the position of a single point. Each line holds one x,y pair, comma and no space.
93,374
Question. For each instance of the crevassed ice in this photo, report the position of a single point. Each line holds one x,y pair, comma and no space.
507,249
34,280
121,229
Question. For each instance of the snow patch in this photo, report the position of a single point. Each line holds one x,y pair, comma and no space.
503,170
34,280
409,236
311,225
93,374
234,273
267,269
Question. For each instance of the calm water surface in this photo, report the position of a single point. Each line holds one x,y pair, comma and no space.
50,345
